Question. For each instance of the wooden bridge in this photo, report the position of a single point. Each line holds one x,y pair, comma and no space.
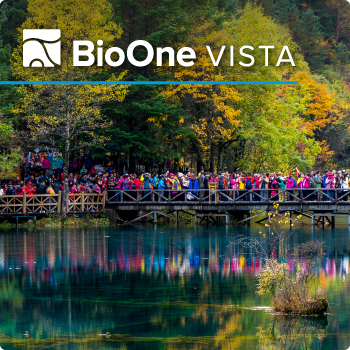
44,204
236,206
319,205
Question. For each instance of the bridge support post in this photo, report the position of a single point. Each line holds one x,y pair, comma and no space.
155,216
24,202
59,202
349,219
313,219
82,201
227,217
196,219
333,221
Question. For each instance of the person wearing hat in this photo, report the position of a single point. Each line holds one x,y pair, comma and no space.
155,181
344,185
30,190
281,184
330,185
290,185
318,183
161,187
147,186
264,182
175,183
324,177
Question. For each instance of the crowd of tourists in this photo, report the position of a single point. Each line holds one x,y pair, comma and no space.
241,186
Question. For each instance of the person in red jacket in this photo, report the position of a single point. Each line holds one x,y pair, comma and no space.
249,185
30,189
136,186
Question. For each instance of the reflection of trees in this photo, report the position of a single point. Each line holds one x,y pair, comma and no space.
11,302
288,333
10,295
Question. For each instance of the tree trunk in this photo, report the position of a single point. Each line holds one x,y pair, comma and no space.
131,161
211,165
338,28
220,154
65,185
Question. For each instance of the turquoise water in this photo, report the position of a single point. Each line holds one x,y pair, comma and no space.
161,285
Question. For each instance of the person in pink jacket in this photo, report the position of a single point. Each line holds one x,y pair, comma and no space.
256,187
330,185
46,163
290,181
290,185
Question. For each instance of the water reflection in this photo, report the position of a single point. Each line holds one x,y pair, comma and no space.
153,283
46,257
291,332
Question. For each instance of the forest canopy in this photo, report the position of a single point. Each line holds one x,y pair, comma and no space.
247,127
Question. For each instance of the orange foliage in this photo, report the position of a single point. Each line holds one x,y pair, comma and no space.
324,159
321,109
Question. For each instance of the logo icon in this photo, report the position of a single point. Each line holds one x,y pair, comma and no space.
41,47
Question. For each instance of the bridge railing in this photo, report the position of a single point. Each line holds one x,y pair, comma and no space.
300,195
86,202
30,204
40,204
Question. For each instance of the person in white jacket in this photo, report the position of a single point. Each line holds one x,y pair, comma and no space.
344,184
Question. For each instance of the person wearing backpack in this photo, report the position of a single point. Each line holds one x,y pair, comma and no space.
161,187
221,187
317,184
281,184
147,182
264,186
249,186
241,186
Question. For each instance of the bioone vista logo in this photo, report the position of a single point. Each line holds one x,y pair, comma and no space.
41,47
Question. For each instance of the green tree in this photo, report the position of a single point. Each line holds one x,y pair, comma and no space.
66,113
10,155
13,13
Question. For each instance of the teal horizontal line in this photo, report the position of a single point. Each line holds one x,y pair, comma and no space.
148,82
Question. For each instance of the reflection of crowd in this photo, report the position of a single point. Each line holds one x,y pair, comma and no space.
101,256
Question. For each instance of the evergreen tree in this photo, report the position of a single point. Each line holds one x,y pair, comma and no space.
13,14
308,35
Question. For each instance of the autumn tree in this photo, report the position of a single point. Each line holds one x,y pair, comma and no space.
224,116
59,112
10,152
322,110
208,113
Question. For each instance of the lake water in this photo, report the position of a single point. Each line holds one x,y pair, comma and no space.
167,287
